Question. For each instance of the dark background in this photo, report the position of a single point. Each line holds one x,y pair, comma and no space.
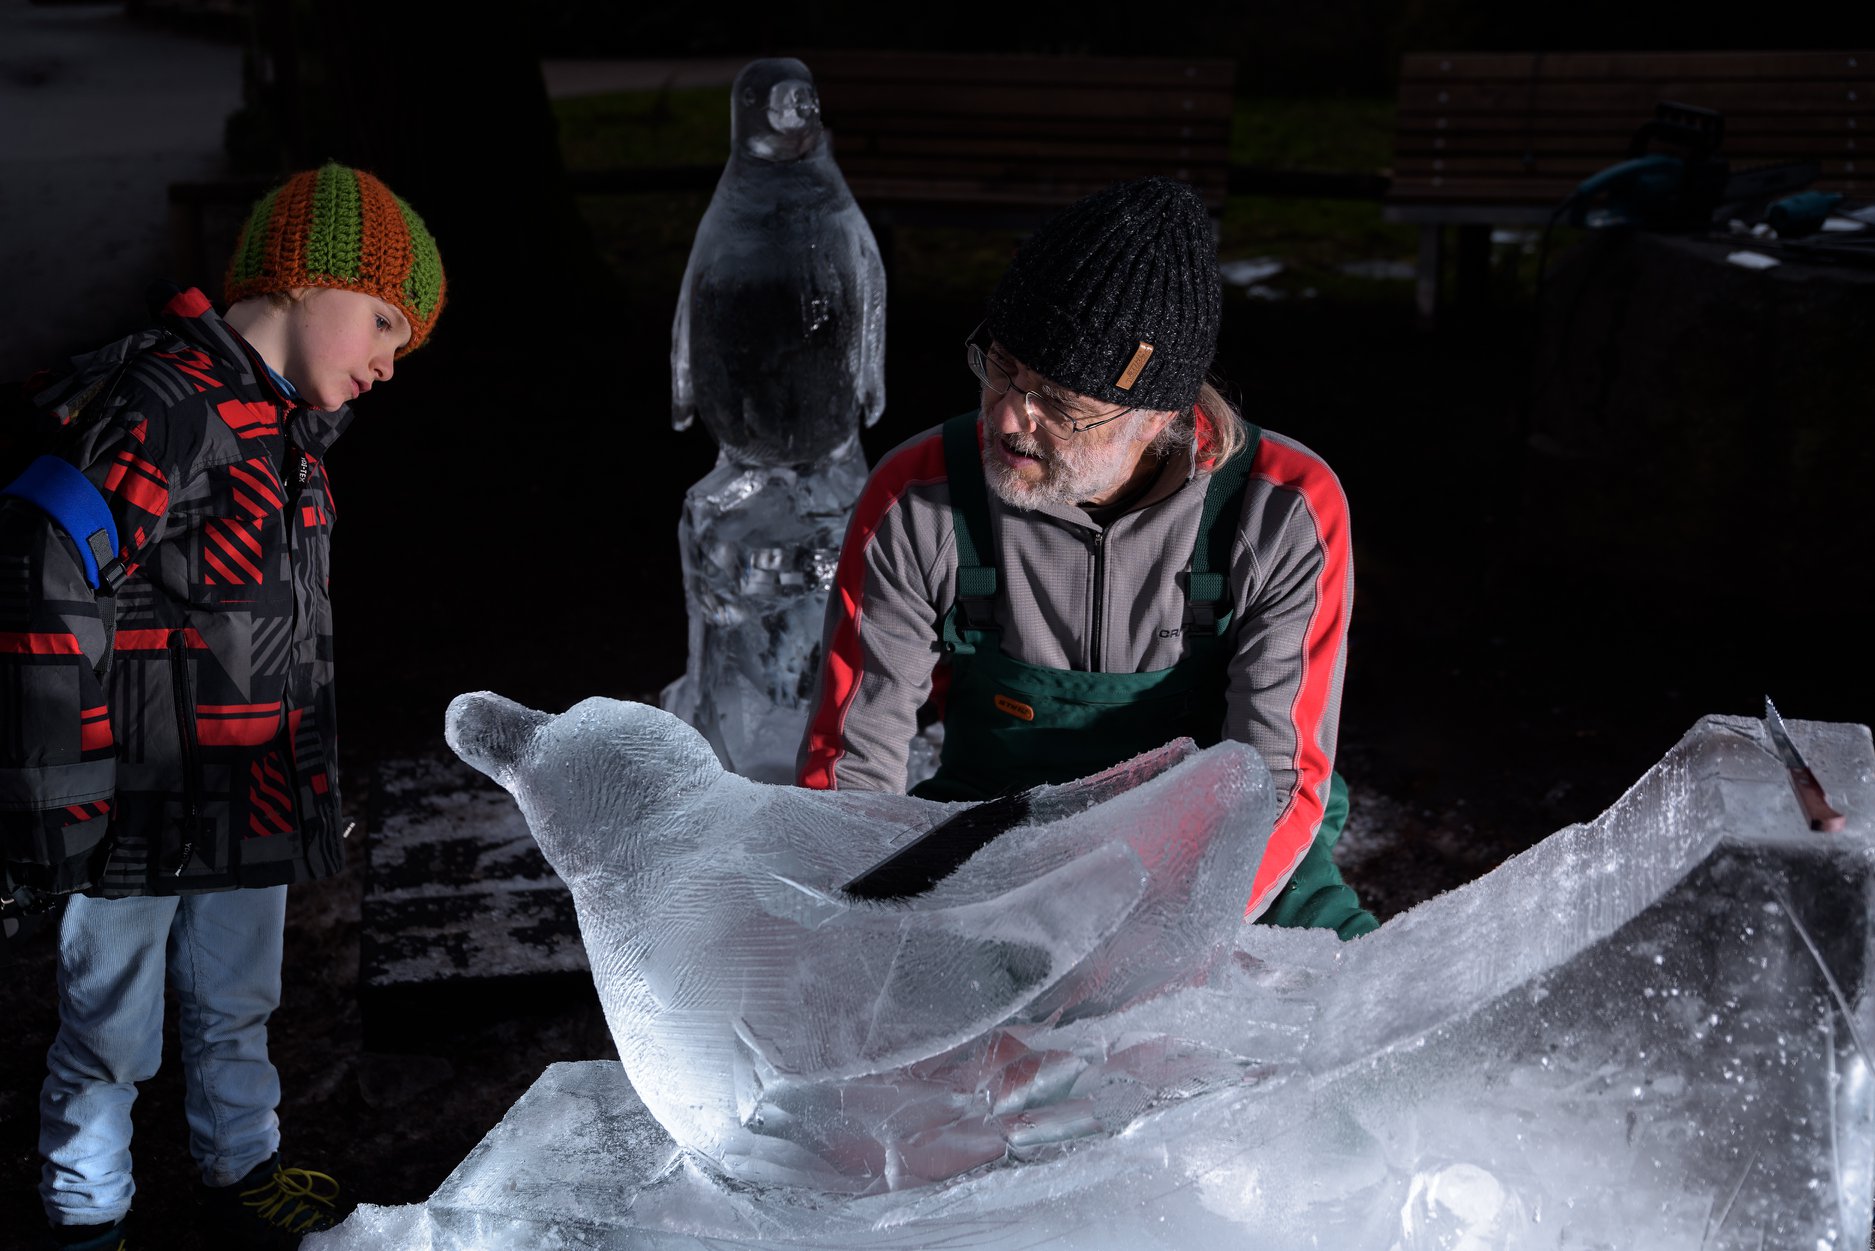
1532,630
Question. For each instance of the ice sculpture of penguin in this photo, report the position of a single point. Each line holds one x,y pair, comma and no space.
779,343
779,338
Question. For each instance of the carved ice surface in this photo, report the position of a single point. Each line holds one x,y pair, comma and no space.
759,546
795,1035
1651,1031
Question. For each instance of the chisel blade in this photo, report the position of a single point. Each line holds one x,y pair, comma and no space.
1810,795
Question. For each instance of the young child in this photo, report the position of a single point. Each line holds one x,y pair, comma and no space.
166,751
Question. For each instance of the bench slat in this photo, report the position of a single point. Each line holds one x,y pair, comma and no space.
1021,169
1408,189
1019,149
1838,96
1624,125
1511,147
853,104
1635,66
892,68
913,190
1577,167
1199,129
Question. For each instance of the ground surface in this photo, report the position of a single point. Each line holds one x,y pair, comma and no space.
498,536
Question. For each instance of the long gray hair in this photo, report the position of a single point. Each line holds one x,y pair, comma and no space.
1229,432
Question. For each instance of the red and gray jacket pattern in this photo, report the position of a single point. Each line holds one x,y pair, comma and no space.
205,759
1065,607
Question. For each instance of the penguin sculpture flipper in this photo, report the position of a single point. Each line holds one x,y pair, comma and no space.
683,388
932,979
871,372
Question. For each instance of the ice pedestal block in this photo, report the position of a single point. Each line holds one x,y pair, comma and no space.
759,548
1650,1031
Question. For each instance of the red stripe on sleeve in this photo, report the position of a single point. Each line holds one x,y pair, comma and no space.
919,464
1296,470
15,643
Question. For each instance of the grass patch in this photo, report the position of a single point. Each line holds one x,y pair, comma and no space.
1313,238
626,128
1335,134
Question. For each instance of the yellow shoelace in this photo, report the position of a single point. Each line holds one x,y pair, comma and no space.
294,1198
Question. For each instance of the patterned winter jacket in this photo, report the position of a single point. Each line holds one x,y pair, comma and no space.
205,758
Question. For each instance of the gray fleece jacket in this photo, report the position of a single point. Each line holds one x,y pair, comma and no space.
1076,595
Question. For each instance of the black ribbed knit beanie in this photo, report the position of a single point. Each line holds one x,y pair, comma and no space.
1117,296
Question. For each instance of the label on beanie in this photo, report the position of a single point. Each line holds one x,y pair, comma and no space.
1130,374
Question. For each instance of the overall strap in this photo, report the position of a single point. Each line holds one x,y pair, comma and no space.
1207,585
970,521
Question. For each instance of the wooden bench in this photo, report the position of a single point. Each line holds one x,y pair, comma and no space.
1486,139
1003,140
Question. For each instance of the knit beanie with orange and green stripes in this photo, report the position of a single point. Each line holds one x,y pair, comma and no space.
340,227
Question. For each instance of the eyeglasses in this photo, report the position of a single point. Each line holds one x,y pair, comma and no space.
1043,410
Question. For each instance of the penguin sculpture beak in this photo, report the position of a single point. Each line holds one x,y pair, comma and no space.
792,105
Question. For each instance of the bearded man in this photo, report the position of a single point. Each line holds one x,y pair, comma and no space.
1103,557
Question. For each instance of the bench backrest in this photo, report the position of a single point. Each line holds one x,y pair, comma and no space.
1526,129
1024,133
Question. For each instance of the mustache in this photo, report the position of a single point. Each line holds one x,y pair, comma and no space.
1024,445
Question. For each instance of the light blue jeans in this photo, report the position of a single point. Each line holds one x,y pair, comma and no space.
222,953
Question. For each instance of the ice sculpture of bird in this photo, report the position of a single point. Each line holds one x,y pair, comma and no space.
796,1034
779,338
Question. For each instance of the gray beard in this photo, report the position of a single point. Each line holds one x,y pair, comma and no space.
1075,472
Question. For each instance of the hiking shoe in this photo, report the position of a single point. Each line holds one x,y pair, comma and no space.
271,1207
89,1237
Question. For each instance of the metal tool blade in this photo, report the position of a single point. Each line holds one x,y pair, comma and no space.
1780,737
1810,796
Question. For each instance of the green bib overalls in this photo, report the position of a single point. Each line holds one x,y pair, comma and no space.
1010,725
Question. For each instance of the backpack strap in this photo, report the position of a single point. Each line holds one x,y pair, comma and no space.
970,521
61,491
57,488
1207,583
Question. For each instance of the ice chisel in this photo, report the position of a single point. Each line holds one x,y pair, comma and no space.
937,853
1809,791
